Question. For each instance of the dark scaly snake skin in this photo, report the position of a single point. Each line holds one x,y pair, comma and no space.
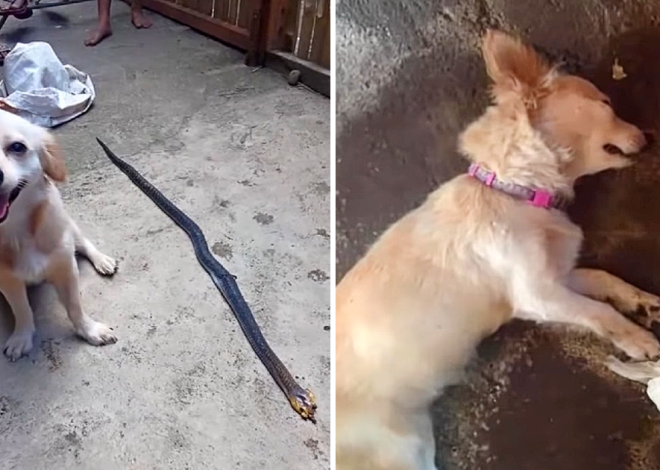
302,400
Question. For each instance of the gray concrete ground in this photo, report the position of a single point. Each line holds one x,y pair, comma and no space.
248,158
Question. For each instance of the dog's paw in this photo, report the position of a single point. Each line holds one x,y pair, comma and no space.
637,342
19,344
648,309
105,265
643,308
97,334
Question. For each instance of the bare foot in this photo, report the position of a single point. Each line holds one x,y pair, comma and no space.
139,20
98,35
9,7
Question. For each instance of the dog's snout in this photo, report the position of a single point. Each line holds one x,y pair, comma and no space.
639,141
632,140
628,137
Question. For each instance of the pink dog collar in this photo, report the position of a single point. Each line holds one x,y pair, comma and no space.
536,197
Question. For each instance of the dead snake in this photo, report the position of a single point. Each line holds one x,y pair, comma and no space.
302,400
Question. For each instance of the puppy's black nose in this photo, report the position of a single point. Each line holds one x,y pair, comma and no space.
2,177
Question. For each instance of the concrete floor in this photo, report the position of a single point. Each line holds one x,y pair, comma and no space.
246,156
409,78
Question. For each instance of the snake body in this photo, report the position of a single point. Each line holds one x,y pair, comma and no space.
302,400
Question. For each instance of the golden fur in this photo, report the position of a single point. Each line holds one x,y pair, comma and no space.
38,239
413,309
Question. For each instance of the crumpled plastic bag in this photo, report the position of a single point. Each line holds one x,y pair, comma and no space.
645,372
43,90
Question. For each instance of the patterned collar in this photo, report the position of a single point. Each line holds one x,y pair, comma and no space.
536,197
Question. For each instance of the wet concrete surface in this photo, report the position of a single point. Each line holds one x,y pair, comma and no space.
537,397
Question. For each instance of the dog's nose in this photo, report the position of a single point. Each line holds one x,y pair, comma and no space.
637,142
2,177
640,142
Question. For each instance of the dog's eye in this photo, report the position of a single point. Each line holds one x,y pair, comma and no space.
607,102
17,148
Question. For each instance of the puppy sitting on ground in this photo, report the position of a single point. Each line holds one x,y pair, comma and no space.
484,248
38,240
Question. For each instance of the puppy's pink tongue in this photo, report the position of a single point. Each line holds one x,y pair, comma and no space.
4,205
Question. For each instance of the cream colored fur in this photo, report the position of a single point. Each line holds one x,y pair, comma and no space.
412,311
38,239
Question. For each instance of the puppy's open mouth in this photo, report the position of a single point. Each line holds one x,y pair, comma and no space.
7,198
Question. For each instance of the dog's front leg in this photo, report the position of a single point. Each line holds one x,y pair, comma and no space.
601,285
547,301
64,276
21,340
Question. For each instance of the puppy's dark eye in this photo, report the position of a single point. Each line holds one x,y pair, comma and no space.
17,148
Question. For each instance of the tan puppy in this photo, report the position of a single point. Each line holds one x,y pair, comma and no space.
472,257
38,240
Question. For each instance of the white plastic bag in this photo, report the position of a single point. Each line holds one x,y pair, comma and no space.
645,372
43,90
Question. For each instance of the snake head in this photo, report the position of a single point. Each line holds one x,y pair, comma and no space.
304,403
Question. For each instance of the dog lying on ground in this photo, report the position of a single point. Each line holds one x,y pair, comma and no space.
38,239
485,247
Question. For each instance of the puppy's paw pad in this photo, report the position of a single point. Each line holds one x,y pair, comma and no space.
639,344
650,304
645,310
19,344
97,334
105,265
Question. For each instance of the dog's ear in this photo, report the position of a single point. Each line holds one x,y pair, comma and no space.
51,159
514,66
7,107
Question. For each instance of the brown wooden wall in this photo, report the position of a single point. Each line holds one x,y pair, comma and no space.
233,12
227,20
307,30
299,27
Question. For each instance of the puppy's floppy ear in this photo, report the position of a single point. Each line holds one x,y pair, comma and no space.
514,66
6,107
51,158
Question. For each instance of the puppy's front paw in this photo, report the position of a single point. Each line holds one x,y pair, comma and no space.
637,342
97,334
105,265
643,308
648,309
19,344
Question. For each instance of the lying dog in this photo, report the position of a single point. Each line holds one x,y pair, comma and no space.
484,248
38,240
